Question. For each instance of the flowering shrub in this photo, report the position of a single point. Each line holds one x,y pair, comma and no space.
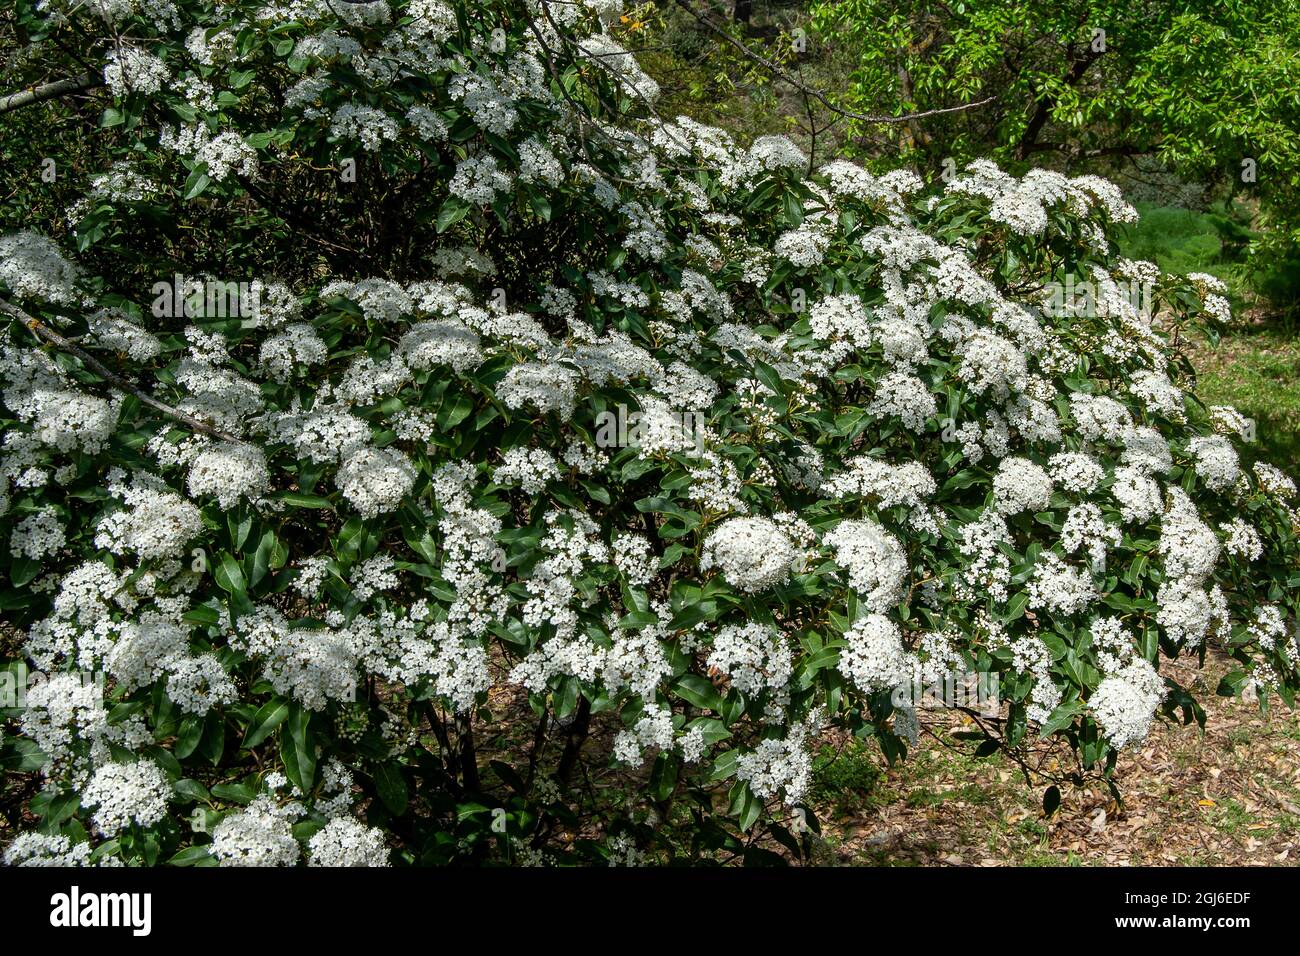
316,454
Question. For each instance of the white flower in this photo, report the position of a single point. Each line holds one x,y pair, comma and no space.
40,849
33,268
601,49
197,684
228,471
804,248
754,656
841,317
131,70
1057,587
125,794
37,535
1099,418
347,842
1216,461
906,484
112,329
751,553
298,345
1242,540
261,835
1085,528
1125,703
634,558
1020,485
223,154
1076,472
1268,627
780,766
875,561
1138,495
874,658
655,730
1228,421
478,180
375,480
904,395
529,468
1159,394
367,124
1274,481
440,343
1146,449
1187,612
991,363
154,522
547,387
1189,547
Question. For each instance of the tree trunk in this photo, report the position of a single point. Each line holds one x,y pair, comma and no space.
577,737
1047,102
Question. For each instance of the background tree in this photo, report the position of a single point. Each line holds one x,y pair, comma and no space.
1212,90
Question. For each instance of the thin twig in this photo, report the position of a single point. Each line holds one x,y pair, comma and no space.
47,334
817,94
49,91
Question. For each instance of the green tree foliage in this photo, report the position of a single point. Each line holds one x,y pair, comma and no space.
1211,89
361,555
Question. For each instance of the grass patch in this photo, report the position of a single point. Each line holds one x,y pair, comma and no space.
1183,240
1257,370
846,777
1256,366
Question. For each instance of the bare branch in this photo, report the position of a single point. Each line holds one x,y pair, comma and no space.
49,91
820,97
47,334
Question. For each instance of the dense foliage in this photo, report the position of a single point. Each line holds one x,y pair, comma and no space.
546,435
1211,90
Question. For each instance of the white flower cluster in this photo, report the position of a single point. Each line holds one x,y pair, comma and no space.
1125,702
529,468
1059,588
222,154
261,835
33,268
129,69
753,554
756,657
154,521
375,480
655,730
228,471
37,535
873,657
1020,485
781,766
875,561
127,793
41,849
347,842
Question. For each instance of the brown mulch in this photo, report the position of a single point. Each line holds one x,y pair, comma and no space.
1227,796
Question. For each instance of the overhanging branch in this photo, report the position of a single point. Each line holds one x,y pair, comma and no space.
48,335
820,97
49,91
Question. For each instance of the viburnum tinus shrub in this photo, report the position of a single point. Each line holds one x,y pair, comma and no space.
418,450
